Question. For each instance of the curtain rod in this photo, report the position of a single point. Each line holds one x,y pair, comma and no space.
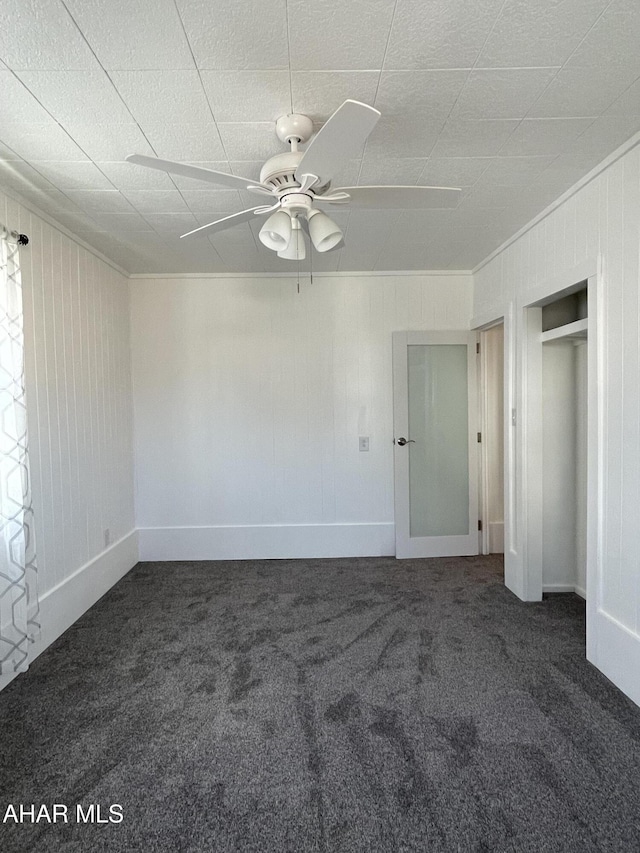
15,236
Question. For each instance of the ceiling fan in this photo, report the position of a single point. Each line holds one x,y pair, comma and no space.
299,183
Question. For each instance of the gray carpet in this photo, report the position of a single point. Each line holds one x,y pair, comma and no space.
323,705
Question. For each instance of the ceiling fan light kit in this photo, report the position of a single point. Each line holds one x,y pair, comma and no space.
324,232
275,234
296,250
297,182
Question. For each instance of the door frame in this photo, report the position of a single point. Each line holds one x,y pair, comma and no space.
483,460
532,435
464,544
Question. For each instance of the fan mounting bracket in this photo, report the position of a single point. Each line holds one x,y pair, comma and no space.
294,126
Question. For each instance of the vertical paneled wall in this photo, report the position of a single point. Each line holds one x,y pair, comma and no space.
249,401
601,220
79,399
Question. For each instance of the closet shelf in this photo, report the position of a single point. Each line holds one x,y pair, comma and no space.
571,330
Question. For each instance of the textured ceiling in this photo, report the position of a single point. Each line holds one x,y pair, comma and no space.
513,100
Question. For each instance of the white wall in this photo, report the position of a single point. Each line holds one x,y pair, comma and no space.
597,225
559,468
249,400
78,380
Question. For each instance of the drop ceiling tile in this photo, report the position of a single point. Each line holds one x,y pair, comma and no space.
246,168
50,201
193,183
78,224
453,171
248,95
129,176
42,35
7,153
502,93
514,171
106,141
245,201
231,36
540,136
420,229
204,201
17,104
538,34
40,142
427,221
613,40
176,223
581,92
412,138
606,134
100,201
472,219
156,201
440,33
428,95
347,174
490,196
468,255
76,96
69,175
185,142
19,175
169,96
341,27
461,138
628,103
250,141
568,168
404,171
152,36
318,94
121,222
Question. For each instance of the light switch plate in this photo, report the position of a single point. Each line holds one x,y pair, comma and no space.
363,443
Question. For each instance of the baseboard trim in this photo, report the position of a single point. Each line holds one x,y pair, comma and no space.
565,587
559,587
66,602
266,542
618,654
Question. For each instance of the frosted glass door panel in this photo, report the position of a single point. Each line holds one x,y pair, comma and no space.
439,429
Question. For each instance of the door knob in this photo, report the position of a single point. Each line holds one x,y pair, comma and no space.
402,441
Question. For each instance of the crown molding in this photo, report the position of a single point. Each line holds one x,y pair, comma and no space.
294,275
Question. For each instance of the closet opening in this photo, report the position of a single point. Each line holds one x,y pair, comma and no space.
555,437
564,443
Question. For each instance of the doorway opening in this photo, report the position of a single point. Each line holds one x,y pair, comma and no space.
492,440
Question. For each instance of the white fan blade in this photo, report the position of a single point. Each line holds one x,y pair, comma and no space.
197,172
338,140
401,198
226,222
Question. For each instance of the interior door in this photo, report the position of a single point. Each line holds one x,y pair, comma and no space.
435,444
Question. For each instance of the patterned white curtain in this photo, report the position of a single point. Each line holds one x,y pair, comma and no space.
19,625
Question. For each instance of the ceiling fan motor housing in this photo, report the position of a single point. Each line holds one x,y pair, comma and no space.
279,173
